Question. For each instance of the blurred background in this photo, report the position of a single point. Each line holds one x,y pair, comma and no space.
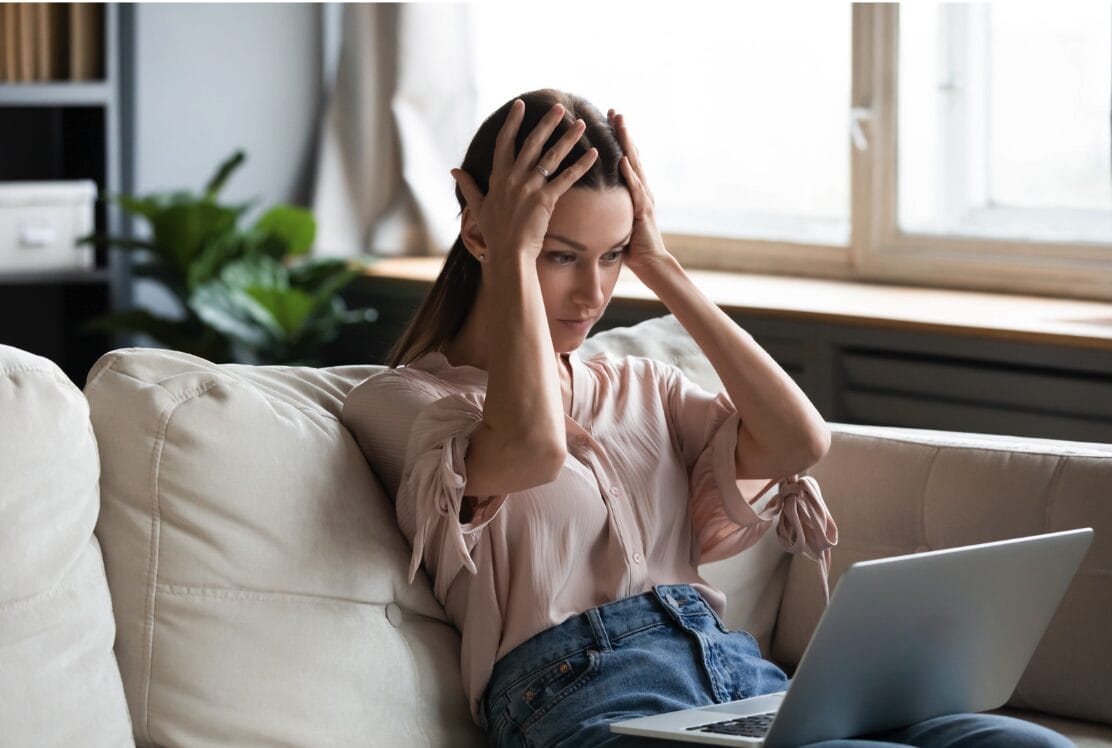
259,168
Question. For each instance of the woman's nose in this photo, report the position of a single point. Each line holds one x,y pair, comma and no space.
588,287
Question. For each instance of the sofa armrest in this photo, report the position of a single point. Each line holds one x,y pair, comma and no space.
895,490
59,682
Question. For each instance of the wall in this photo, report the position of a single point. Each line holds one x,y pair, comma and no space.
211,78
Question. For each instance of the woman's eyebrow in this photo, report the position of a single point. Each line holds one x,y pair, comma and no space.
580,247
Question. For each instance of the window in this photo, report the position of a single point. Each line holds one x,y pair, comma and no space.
950,144
1003,121
743,135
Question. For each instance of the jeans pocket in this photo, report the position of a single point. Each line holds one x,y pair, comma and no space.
547,686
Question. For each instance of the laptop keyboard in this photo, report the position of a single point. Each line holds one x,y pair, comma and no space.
755,726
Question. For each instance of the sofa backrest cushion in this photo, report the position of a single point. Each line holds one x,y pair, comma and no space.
256,567
895,491
59,683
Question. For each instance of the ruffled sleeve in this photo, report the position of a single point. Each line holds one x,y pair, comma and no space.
430,493
724,522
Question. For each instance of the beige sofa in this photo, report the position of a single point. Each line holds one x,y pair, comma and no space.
195,555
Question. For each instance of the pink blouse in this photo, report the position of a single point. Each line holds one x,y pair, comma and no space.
648,492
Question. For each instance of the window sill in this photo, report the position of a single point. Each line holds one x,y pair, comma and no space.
1026,319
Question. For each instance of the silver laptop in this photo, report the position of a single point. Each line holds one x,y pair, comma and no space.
903,639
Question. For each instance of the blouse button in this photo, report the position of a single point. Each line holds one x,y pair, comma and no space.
638,558
615,490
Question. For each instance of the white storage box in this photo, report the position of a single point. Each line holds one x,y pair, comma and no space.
40,223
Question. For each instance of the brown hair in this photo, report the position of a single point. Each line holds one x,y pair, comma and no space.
442,313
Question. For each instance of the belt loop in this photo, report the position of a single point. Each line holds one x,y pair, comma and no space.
599,630
663,594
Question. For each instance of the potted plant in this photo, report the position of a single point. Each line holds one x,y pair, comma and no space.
250,295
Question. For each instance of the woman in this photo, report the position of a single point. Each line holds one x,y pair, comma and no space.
562,506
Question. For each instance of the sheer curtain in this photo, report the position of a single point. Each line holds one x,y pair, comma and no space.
400,116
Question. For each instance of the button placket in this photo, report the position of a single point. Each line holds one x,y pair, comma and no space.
625,523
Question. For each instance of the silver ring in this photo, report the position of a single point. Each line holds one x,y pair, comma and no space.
544,172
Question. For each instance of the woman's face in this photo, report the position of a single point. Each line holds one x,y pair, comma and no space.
580,259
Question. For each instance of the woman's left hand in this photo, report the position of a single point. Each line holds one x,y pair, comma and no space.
645,245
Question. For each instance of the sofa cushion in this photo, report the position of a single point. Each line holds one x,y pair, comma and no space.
59,683
897,491
256,566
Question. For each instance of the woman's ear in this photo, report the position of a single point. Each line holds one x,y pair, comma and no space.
471,235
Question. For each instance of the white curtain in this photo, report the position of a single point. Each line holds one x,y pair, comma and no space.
401,114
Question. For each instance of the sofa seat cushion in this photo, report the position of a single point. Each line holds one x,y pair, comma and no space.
59,683
257,570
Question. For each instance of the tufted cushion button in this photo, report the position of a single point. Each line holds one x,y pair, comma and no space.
394,614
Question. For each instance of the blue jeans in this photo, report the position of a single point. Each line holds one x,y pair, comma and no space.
663,650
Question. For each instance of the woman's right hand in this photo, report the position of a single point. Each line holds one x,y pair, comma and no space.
513,216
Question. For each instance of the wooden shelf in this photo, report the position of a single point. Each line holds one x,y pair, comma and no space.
64,130
53,277
56,94
1024,319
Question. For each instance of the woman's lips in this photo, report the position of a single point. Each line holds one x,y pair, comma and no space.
578,325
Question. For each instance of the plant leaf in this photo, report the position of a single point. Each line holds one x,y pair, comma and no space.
294,227
218,306
216,183
182,231
256,271
216,254
310,274
148,207
289,307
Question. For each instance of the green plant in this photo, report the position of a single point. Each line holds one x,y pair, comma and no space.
248,294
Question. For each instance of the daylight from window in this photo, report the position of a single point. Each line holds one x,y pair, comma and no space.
740,111
1004,120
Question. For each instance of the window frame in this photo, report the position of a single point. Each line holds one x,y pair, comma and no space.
878,250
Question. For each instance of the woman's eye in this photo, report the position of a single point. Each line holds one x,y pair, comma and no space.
613,256
561,258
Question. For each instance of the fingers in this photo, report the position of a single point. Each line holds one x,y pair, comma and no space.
555,155
472,195
504,144
631,153
636,186
530,150
619,123
561,184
